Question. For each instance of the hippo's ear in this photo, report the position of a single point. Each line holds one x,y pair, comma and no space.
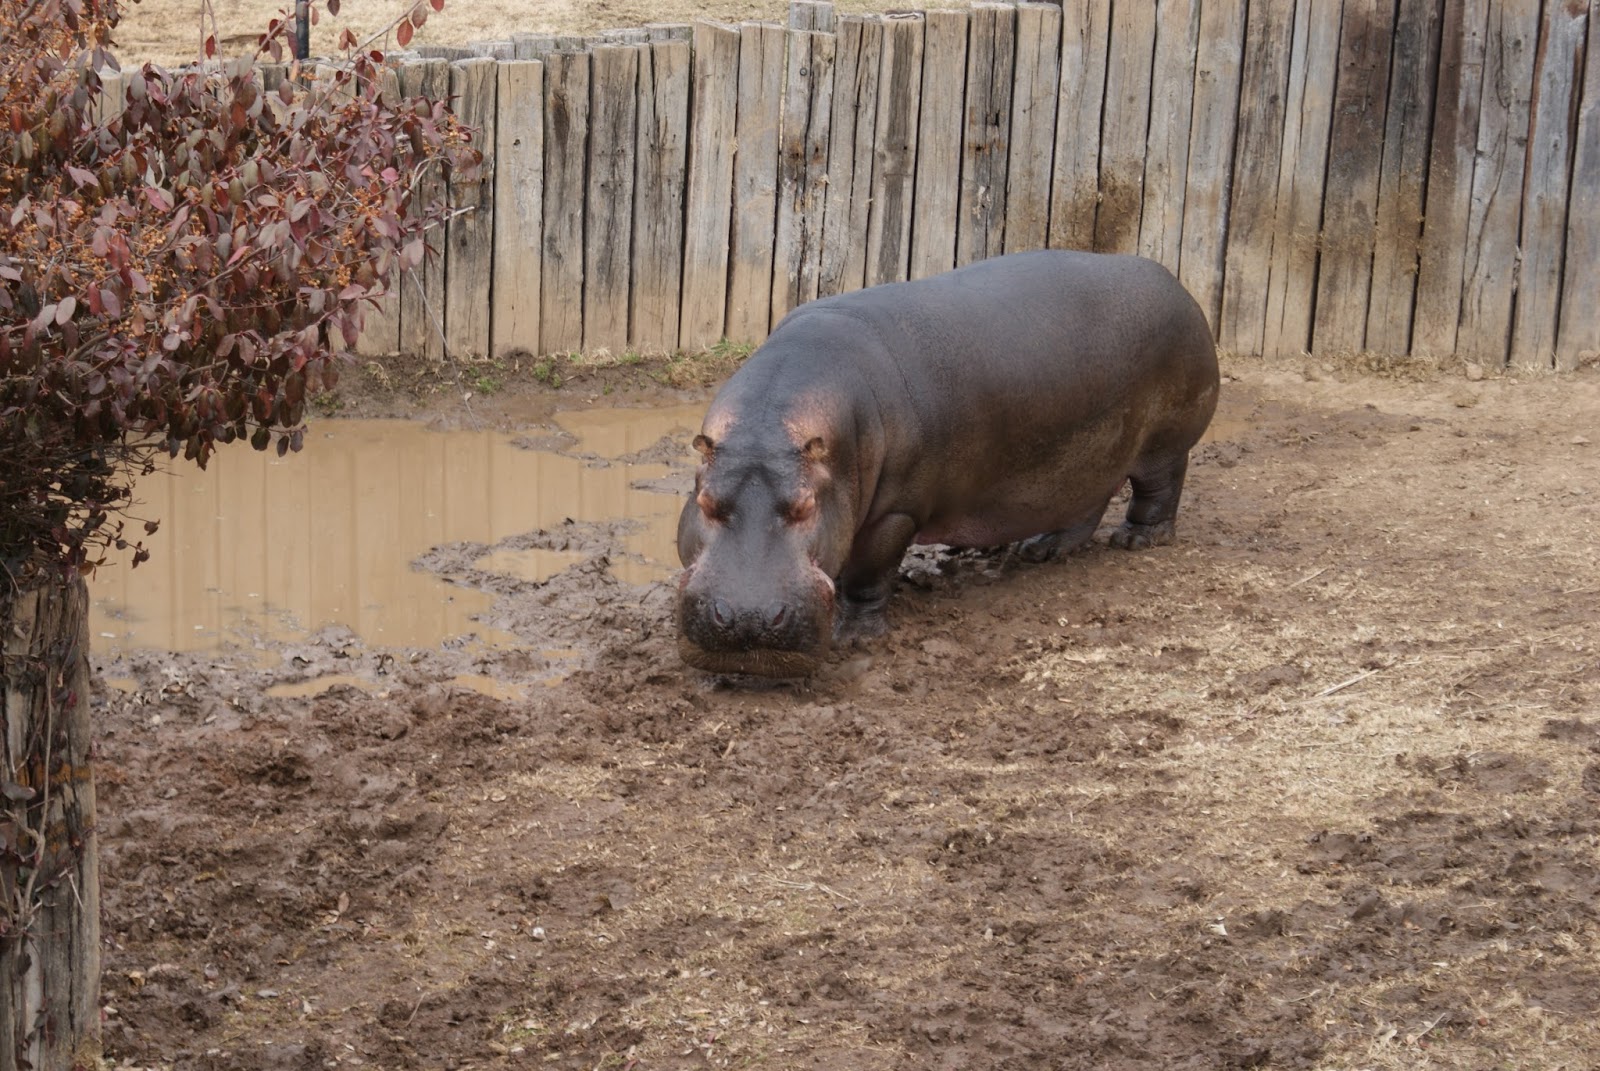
706,447
815,451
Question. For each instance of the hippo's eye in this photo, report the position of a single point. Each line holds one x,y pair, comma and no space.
802,509
710,507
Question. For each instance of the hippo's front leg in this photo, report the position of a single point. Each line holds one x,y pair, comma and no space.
864,583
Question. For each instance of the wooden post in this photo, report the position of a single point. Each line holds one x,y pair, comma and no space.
1557,87
802,170
1075,182
608,228
1205,198
519,208
49,862
894,166
1126,125
1450,163
661,161
566,151
470,235
762,58
1579,336
1355,154
1493,227
1035,90
1264,80
1404,176
380,334
422,289
1302,167
1167,147
991,61
938,190
710,197
850,142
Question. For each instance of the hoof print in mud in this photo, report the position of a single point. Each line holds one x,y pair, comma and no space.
1003,401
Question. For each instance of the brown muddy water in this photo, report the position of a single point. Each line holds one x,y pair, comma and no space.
258,548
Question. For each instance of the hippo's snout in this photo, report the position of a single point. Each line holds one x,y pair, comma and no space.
770,635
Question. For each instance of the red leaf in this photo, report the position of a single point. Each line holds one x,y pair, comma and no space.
211,45
81,177
111,303
333,7
438,5
403,32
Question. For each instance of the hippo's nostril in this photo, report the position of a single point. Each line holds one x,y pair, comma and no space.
721,613
776,615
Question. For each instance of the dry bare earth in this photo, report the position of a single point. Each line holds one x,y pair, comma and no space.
1317,786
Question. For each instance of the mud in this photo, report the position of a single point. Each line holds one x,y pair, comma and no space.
1316,787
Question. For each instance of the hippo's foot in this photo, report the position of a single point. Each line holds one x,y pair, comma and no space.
1132,536
1061,542
860,619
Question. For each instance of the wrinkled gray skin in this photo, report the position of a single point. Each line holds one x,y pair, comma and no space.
1004,401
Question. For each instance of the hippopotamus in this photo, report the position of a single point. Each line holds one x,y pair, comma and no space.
1004,401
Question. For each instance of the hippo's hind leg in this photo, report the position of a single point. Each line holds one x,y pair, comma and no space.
1157,486
864,583
1062,541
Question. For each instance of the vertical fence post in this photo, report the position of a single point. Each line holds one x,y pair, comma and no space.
566,149
470,234
991,59
1167,148
851,137
1035,90
608,202
710,193
1205,197
1125,127
1579,335
1075,183
518,208
802,169
762,59
939,127
661,157
894,162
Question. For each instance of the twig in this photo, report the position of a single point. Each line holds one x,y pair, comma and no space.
1308,576
1357,679
817,886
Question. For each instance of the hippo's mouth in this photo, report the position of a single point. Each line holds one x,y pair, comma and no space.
757,662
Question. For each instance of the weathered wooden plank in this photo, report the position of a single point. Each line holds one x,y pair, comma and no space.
851,134
1579,337
991,63
495,50
469,263
380,334
762,59
1451,153
814,15
1034,92
1558,78
1075,184
608,230
1302,167
661,160
527,46
670,31
894,167
939,126
802,170
715,91
1403,179
1211,144
1252,201
422,289
566,155
518,208
1125,126
1166,165
1490,271
1355,156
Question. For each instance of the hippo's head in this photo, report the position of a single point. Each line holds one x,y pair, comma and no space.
761,538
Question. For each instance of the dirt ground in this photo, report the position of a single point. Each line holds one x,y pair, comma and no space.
1318,786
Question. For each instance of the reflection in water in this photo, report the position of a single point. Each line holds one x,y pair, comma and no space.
261,546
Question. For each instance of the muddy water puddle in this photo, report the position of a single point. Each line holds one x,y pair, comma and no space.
261,548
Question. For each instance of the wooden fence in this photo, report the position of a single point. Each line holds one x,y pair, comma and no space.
1401,176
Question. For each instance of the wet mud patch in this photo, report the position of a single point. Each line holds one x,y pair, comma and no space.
1312,787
